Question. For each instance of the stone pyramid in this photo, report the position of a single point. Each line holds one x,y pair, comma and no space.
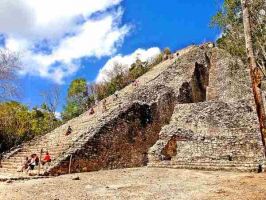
193,110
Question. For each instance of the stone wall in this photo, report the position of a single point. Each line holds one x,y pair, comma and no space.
213,135
220,133
229,78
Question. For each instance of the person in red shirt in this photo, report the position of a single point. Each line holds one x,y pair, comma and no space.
46,158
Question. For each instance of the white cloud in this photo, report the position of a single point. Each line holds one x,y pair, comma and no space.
58,115
127,60
47,18
66,31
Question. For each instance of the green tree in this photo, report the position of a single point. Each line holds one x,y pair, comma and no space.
167,51
18,124
77,87
254,72
137,69
77,99
230,20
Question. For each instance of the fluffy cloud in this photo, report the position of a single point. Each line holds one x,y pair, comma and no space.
47,18
58,115
53,36
127,60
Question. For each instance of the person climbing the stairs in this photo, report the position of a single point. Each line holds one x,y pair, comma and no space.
91,111
135,83
116,95
69,131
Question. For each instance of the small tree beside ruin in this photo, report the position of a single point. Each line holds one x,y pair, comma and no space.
9,65
255,72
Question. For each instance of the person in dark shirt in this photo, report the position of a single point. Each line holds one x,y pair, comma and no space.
91,111
24,165
69,130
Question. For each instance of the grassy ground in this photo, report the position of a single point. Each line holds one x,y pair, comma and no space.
141,183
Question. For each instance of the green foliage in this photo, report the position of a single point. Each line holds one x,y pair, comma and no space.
167,51
81,97
158,59
230,21
42,122
77,100
136,71
18,124
77,87
71,110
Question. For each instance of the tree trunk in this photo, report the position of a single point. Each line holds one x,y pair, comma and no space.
255,72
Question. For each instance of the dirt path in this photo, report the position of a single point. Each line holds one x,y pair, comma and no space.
141,183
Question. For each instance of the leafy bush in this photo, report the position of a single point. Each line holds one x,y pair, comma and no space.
81,96
18,124
167,51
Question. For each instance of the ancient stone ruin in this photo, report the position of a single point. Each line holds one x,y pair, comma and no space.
193,110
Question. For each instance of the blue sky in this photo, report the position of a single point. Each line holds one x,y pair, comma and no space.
82,40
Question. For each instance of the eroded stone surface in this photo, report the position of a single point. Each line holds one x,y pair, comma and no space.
221,133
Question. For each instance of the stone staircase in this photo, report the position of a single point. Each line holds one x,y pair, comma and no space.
55,142
210,165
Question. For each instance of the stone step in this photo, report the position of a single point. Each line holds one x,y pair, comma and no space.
208,163
44,150
22,155
21,159
8,170
49,144
10,162
36,148
222,168
10,165
14,168
215,165
14,171
208,166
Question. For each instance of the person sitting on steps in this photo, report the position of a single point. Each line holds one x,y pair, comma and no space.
34,161
69,130
24,165
46,158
